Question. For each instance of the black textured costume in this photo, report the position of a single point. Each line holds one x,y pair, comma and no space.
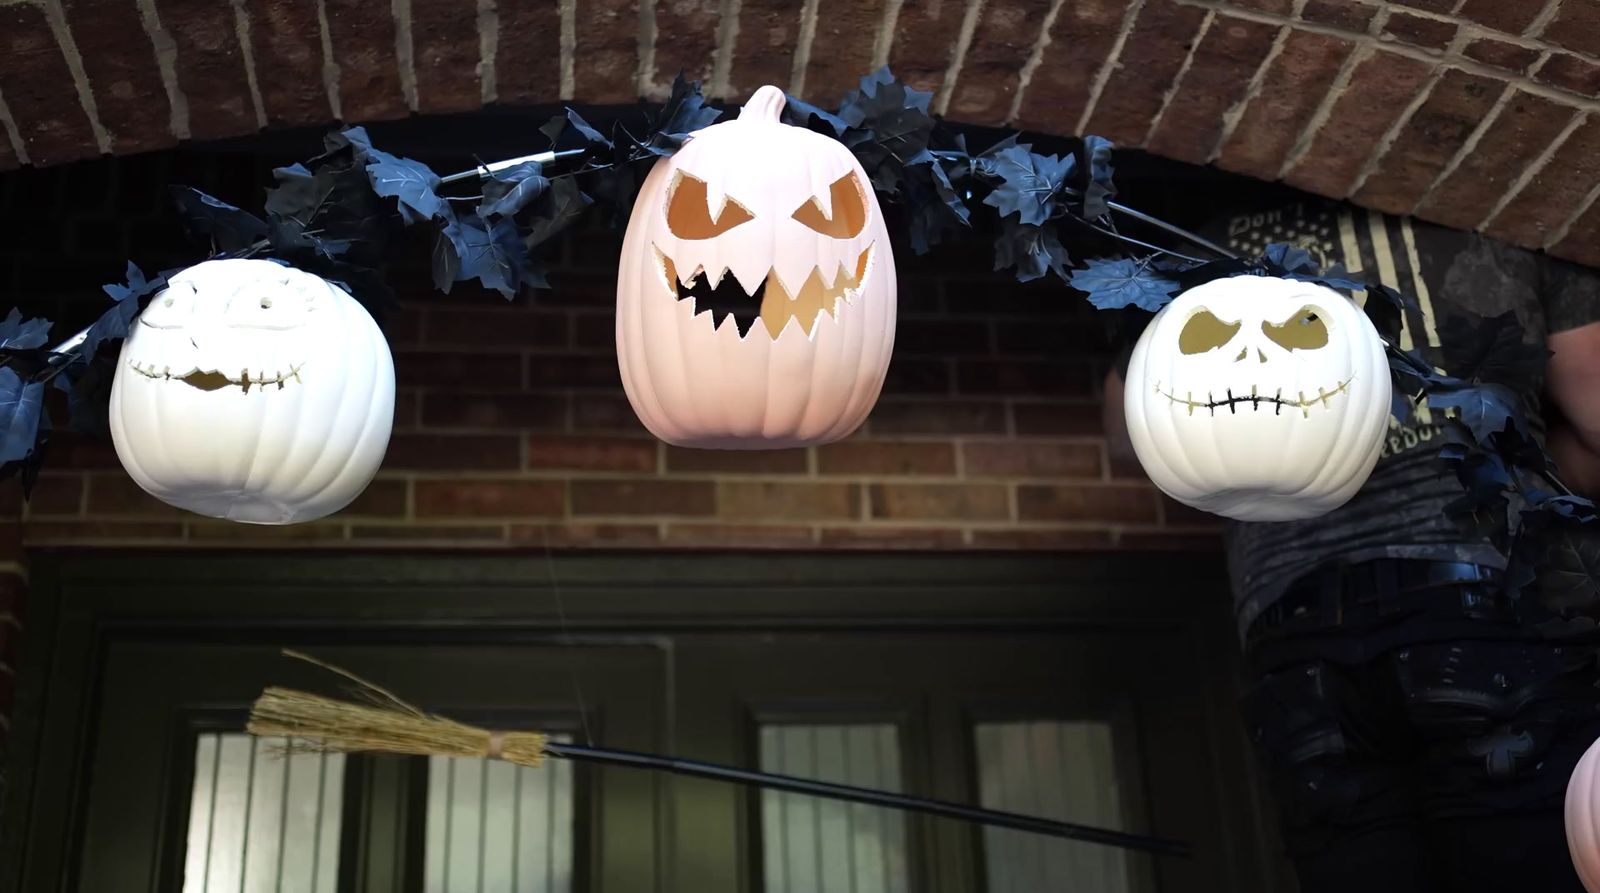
1418,731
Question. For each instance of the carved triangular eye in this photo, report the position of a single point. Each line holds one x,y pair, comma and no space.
1305,330
1205,332
689,217
849,210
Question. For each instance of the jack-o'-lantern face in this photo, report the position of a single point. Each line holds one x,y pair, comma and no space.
839,214
1258,398
254,392
756,260
212,330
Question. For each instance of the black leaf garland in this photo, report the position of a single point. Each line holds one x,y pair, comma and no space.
335,214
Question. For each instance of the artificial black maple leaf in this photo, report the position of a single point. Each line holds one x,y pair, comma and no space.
1490,349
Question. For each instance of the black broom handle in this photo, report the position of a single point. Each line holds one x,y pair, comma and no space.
869,796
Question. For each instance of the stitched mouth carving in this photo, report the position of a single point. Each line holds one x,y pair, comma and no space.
216,381
1256,399
771,303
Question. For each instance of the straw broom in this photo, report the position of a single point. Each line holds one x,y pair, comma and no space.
383,723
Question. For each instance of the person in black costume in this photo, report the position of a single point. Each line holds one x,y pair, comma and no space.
1417,728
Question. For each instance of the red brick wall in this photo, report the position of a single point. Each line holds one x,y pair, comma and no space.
1478,114
512,429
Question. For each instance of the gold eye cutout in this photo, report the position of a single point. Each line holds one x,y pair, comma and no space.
849,210
689,217
1205,332
1305,330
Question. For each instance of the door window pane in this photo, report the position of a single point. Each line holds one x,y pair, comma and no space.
812,844
1059,770
496,826
260,821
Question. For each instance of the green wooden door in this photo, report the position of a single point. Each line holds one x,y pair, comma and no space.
1029,685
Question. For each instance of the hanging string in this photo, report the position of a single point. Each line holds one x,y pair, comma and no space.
569,645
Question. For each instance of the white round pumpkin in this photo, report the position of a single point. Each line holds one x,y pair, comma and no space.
254,392
1583,808
756,290
1259,399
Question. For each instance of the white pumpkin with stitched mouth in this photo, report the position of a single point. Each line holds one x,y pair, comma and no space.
756,290
254,392
1258,398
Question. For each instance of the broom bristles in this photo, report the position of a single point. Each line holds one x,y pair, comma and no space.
316,723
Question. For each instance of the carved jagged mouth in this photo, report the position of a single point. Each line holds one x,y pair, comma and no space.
1256,399
771,303
216,381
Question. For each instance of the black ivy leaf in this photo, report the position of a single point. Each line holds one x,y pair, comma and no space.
1485,409
509,191
1290,258
19,334
228,228
295,195
1387,308
490,253
1490,349
936,206
889,126
1032,250
1569,581
1029,183
1099,189
115,321
555,209
20,405
445,260
412,183
1335,277
799,113
569,131
88,389
684,112
1111,283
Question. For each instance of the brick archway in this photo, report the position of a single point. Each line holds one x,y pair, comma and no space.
1475,113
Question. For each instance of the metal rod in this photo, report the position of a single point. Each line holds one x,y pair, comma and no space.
1178,231
497,166
1034,824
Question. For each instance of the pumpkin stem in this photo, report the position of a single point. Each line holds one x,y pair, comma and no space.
766,105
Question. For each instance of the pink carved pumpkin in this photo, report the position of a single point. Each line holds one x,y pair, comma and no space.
1583,818
756,291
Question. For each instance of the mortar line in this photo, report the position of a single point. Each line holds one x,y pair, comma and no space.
1177,79
646,76
15,137
330,62
1035,57
1560,233
884,42
952,74
488,45
404,49
1534,168
569,45
1324,111
247,55
1543,19
727,37
1392,134
1109,64
1470,146
1258,80
166,52
802,49
80,78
